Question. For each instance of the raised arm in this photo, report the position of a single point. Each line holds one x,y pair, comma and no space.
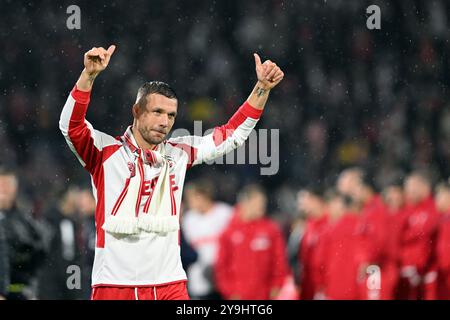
85,142
269,75
233,134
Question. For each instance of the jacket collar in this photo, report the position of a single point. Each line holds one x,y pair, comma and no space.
129,139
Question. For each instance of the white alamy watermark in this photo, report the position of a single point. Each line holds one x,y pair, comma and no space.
74,279
74,19
373,282
261,148
374,20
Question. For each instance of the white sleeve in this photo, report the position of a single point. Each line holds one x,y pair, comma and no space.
223,139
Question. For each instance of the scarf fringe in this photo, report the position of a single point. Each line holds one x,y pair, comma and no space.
121,225
159,224
148,223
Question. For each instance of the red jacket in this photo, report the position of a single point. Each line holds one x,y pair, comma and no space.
418,235
251,260
373,246
393,236
390,267
372,230
311,272
337,251
443,257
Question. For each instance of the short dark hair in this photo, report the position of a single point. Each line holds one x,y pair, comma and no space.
314,189
150,87
249,190
203,186
443,186
7,171
365,177
423,175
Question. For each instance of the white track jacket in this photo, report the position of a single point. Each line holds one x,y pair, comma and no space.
144,259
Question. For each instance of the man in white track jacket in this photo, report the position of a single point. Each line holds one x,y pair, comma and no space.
138,178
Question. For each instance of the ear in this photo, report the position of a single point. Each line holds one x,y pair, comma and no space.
136,111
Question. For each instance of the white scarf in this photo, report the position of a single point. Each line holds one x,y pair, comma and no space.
127,218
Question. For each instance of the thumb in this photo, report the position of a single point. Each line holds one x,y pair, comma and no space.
111,50
257,59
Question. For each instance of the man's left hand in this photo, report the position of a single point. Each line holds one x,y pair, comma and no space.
268,73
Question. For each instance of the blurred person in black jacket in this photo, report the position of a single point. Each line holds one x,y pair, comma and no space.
62,221
188,254
25,243
86,238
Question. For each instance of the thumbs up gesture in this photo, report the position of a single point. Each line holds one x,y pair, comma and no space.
268,73
97,59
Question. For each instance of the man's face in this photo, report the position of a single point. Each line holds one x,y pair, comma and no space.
70,202
443,200
336,207
394,197
306,202
8,191
254,207
416,189
86,203
349,183
195,200
155,121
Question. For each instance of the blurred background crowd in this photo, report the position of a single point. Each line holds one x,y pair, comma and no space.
352,97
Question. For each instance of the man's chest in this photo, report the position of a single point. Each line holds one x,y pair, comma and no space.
121,168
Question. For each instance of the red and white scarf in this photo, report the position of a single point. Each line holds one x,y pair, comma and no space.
126,216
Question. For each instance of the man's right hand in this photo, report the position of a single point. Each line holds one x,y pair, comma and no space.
97,59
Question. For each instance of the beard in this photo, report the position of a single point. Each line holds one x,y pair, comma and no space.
152,137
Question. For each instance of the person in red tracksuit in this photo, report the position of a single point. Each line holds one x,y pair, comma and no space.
337,251
418,273
443,241
371,231
311,203
394,202
252,261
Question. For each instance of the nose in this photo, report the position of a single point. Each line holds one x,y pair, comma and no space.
164,123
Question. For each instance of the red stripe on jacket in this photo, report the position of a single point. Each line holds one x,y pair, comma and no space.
79,133
83,142
221,133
